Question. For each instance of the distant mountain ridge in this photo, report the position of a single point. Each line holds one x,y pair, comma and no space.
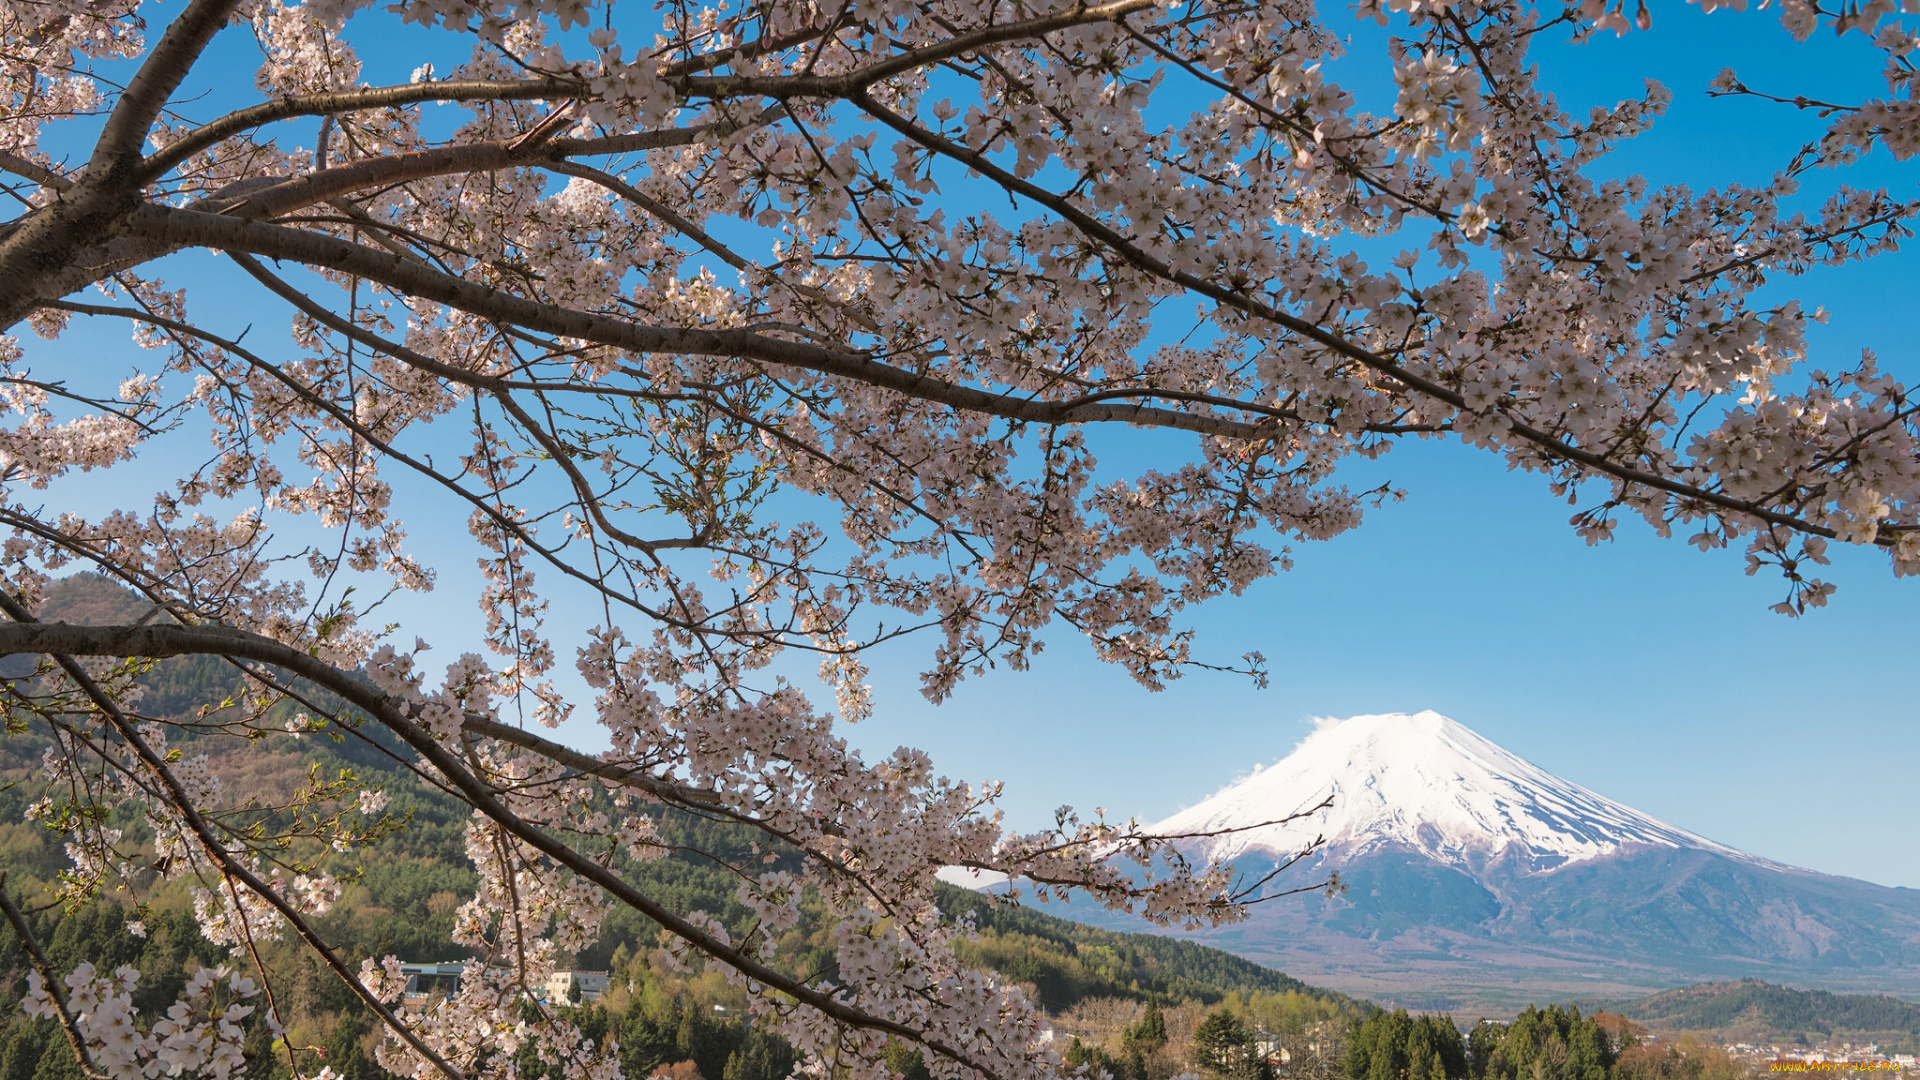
1476,879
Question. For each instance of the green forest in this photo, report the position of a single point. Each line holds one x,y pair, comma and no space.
1554,1043
1751,1010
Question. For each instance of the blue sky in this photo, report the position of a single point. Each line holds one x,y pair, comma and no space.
1642,669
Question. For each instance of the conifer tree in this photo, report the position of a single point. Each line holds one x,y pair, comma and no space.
1222,1044
1150,1032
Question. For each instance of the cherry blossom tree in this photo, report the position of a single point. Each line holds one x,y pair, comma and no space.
784,330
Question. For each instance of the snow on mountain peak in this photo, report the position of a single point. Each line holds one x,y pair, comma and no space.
1424,782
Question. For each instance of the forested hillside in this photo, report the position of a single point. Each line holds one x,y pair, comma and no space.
402,894
1755,1011
1069,961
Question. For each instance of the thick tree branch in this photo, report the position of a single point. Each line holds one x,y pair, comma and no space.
187,228
33,170
336,102
784,87
318,187
75,243
286,196
117,151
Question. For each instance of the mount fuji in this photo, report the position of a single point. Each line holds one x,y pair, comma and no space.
1475,879
1424,783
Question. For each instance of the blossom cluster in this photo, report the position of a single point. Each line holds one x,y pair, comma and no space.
200,1036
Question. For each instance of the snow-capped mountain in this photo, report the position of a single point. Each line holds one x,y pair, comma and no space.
1421,782
1473,879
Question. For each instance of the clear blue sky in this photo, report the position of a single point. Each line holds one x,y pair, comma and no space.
1642,669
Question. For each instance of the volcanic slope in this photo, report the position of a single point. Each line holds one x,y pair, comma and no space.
1475,879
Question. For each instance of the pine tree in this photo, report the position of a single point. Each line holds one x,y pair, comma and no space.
1222,1044
1150,1033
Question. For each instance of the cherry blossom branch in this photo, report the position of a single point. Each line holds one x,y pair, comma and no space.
333,102
284,196
1300,130
785,87
50,979
184,228
588,502
1240,301
346,420
654,207
748,51
63,640
60,249
632,776
183,804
